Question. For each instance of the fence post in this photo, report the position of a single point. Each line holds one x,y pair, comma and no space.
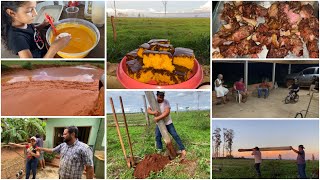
145,110
162,126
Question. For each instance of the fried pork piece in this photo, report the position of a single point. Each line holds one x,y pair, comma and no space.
229,12
309,29
247,47
252,10
229,51
296,45
306,11
241,33
217,41
277,52
313,49
273,10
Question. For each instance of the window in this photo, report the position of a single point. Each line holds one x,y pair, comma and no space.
308,71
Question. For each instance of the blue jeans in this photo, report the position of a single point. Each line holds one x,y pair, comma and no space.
302,171
32,164
173,133
265,90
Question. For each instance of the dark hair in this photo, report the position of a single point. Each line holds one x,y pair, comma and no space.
6,20
37,135
73,129
160,93
256,148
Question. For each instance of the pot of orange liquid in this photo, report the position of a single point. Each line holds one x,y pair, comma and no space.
84,37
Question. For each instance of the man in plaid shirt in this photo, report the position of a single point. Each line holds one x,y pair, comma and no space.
74,156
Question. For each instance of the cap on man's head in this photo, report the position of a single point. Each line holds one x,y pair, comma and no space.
256,148
301,146
160,93
34,138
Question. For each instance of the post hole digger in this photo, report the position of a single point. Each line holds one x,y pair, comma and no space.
130,160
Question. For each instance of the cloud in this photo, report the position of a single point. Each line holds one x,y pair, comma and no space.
204,8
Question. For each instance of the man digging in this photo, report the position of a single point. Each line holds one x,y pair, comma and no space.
74,156
165,116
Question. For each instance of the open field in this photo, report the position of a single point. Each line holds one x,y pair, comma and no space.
193,128
270,169
193,33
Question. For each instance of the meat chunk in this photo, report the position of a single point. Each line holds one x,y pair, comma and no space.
241,33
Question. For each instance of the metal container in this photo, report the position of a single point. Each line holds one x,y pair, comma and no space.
76,21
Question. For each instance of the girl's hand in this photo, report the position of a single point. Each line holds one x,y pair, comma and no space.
46,22
60,43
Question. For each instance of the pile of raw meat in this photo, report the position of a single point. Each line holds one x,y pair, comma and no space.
285,29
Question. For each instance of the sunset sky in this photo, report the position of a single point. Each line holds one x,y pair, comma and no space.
273,133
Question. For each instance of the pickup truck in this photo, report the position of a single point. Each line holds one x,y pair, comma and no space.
304,77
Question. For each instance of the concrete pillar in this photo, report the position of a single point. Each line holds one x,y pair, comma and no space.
246,73
274,73
289,69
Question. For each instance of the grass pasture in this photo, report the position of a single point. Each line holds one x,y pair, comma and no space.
193,33
193,128
270,169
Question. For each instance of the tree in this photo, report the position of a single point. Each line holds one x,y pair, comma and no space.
165,7
229,140
217,141
224,140
20,129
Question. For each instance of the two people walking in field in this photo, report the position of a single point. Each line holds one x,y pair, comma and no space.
165,115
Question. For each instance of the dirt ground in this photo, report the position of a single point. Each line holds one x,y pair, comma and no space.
11,162
113,82
272,107
68,91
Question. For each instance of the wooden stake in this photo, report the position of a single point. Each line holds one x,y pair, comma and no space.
127,130
118,131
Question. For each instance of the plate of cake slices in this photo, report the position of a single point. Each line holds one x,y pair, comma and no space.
157,64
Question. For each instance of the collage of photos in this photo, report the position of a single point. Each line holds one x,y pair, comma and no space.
161,89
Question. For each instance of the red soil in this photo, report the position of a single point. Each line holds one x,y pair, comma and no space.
153,162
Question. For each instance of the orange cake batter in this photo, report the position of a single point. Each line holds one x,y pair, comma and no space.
82,37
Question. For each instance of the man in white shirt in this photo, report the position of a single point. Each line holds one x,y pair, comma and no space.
257,160
165,115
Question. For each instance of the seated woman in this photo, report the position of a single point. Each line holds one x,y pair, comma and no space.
239,86
221,91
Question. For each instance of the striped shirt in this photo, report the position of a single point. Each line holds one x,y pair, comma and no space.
73,158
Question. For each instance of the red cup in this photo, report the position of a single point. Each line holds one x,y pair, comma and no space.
129,83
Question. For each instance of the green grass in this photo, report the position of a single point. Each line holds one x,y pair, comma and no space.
193,128
6,65
270,169
193,33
